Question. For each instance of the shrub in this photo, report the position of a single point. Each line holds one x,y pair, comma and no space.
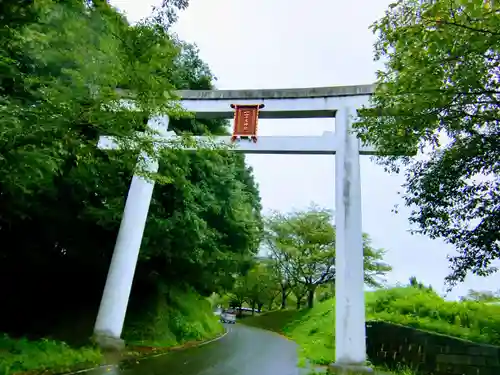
24,355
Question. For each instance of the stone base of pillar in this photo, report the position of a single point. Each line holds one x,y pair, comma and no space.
108,343
346,369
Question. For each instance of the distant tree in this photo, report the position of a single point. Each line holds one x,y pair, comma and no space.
299,291
239,294
417,284
279,270
261,287
481,296
374,266
305,244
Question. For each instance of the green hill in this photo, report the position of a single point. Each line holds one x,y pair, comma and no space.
419,308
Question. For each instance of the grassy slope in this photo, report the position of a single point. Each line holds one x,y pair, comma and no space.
188,317
313,329
23,355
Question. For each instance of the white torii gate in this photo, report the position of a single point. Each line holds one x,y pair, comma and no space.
340,103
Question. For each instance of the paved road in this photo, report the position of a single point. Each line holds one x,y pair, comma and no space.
243,351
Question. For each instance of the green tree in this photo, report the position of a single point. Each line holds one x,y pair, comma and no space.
62,199
374,266
278,271
167,13
439,94
239,292
418,285
299,292
59,75
305,241
254,286
262,285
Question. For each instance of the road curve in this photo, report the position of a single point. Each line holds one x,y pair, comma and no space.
243,351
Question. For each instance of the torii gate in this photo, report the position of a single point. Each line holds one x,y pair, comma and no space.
340,103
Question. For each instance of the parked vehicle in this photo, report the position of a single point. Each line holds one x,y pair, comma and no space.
228,316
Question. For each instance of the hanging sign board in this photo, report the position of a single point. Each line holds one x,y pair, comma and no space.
246,118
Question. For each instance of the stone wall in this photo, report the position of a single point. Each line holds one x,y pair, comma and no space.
429,353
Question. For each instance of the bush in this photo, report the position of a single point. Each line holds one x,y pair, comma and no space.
25,355
425,309
175,317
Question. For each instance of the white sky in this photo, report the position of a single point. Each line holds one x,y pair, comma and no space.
292,43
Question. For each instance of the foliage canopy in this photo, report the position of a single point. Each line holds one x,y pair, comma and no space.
62,199
439,94
302,247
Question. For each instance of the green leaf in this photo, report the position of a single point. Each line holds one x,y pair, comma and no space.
438,95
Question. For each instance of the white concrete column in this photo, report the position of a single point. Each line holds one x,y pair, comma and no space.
350,346
113,308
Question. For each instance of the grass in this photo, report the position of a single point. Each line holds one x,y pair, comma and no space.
186,319
424,309
21,356
182,316
313,330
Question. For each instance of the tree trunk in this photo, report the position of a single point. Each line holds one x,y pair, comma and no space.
270,306
283,298
253,308
310,297
299,303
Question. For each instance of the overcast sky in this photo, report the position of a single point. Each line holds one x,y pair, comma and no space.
291,44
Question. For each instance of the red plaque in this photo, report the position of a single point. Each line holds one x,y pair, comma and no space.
245,121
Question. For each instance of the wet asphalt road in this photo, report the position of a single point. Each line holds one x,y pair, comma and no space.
243,351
